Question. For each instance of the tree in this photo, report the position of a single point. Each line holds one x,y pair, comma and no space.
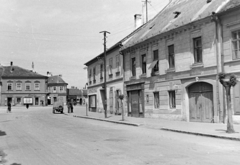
227,85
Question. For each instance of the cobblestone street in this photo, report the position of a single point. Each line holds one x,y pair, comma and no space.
36,136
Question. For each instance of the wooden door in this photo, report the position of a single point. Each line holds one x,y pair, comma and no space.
135,103
201,102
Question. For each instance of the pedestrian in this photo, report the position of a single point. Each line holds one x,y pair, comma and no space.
27,105
9,107
71,106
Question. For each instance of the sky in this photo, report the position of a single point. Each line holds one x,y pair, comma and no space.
60,36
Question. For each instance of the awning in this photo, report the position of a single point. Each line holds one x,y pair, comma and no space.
153,64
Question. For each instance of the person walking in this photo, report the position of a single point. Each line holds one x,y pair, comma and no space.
9,107
71,106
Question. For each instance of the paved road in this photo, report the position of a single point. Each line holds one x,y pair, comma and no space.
37,137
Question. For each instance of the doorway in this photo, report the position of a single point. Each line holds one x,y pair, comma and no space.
201,102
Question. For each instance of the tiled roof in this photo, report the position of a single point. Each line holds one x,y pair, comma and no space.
56,80
16,71
188,11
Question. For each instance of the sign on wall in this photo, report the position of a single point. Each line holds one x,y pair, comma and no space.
27,100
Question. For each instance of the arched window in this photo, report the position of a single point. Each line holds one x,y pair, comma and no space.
28,85
36,85
9,85
19,85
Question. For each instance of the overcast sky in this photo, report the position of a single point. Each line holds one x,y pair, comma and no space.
61,35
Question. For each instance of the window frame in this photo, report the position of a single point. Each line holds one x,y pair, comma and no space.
133,66
35,83
236,52
144,63
28,84
10,84
156,95
171,56
118,62
156,58
20,87
172,99
110,66
197,50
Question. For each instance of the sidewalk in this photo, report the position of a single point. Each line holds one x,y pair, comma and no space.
217,130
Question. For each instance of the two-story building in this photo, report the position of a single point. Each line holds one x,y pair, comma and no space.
171,64
57,89
114,81
18,83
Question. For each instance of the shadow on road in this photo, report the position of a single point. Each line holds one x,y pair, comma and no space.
2,133
15,164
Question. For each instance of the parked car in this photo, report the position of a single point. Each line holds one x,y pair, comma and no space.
58,106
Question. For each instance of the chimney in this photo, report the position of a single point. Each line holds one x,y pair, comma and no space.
48,74
11,66
137,20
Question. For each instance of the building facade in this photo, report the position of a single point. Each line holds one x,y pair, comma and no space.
114,81
18,84
171,64
57,89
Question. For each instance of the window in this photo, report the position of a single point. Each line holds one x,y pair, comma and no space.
90,74
133,66
172,99
236,44
94,74
171,58
10,86
118,63
197,45
155,58
61,88
28,86
36,85
156,100
110,66
144,64
18,100
18,85
54,89
101,71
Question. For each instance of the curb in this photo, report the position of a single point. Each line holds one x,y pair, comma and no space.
111,121
201,134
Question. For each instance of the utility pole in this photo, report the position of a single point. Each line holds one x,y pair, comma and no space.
105,85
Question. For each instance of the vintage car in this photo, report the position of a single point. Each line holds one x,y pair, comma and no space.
58,106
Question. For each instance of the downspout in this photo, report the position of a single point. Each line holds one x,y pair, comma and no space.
219,52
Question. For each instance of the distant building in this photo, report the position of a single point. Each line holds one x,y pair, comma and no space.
18,84
76,95
57,89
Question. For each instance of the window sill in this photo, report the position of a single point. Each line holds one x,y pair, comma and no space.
169,70
143,75
118,73
197,65
155,73
37,90
133,78
110,75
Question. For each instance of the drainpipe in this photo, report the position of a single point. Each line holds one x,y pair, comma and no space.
219,52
